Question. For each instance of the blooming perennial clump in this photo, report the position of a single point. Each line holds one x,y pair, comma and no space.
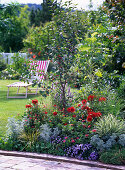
82,152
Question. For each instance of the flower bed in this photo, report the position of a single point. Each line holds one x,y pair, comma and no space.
73,133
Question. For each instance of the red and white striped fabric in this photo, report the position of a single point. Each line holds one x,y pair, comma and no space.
40,67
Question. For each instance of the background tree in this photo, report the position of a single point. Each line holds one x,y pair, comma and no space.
45,14
13,27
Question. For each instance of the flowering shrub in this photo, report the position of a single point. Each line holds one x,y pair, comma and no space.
34,117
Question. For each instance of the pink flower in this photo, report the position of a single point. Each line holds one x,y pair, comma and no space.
89,126
25,120
64,141
30,117
86,135
77,138
94,130
84,126
72,141
66,137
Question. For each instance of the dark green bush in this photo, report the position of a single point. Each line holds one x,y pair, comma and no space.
114,156
2,66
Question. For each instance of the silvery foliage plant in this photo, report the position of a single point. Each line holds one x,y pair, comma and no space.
14,128
46,133
107,142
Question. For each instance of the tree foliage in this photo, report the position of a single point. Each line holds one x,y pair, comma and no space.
13,27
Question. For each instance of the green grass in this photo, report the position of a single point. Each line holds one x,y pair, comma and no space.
13,107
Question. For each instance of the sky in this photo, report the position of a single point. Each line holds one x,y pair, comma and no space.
80,3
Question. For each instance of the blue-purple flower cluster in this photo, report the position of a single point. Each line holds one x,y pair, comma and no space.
82,152
56,140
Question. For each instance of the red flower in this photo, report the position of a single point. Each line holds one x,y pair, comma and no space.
91,97
94,130
54,113
79,105
65,124
46,112
74,116
28,106
98,114
89,118
84,101
89,110
94,114
84,126
69,109
54,105
35,101
102,99
83,107
72,109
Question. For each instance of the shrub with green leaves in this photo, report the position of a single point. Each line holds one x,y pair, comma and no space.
108,125
114,156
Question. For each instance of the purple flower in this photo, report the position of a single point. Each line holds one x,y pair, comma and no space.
93,156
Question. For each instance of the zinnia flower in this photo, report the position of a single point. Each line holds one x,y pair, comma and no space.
54,113
91,97
89,118
46,112
98,114
84,101
72,141
79,105
72,109
35,101
28,106
69,109
74,116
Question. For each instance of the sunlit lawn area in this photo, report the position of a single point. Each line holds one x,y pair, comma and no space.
12,107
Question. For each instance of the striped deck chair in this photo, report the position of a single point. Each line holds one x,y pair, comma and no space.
37,67
40,69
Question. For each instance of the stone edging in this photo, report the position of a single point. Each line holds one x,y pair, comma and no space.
61,159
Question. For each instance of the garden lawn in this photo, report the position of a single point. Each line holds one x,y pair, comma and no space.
13,107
